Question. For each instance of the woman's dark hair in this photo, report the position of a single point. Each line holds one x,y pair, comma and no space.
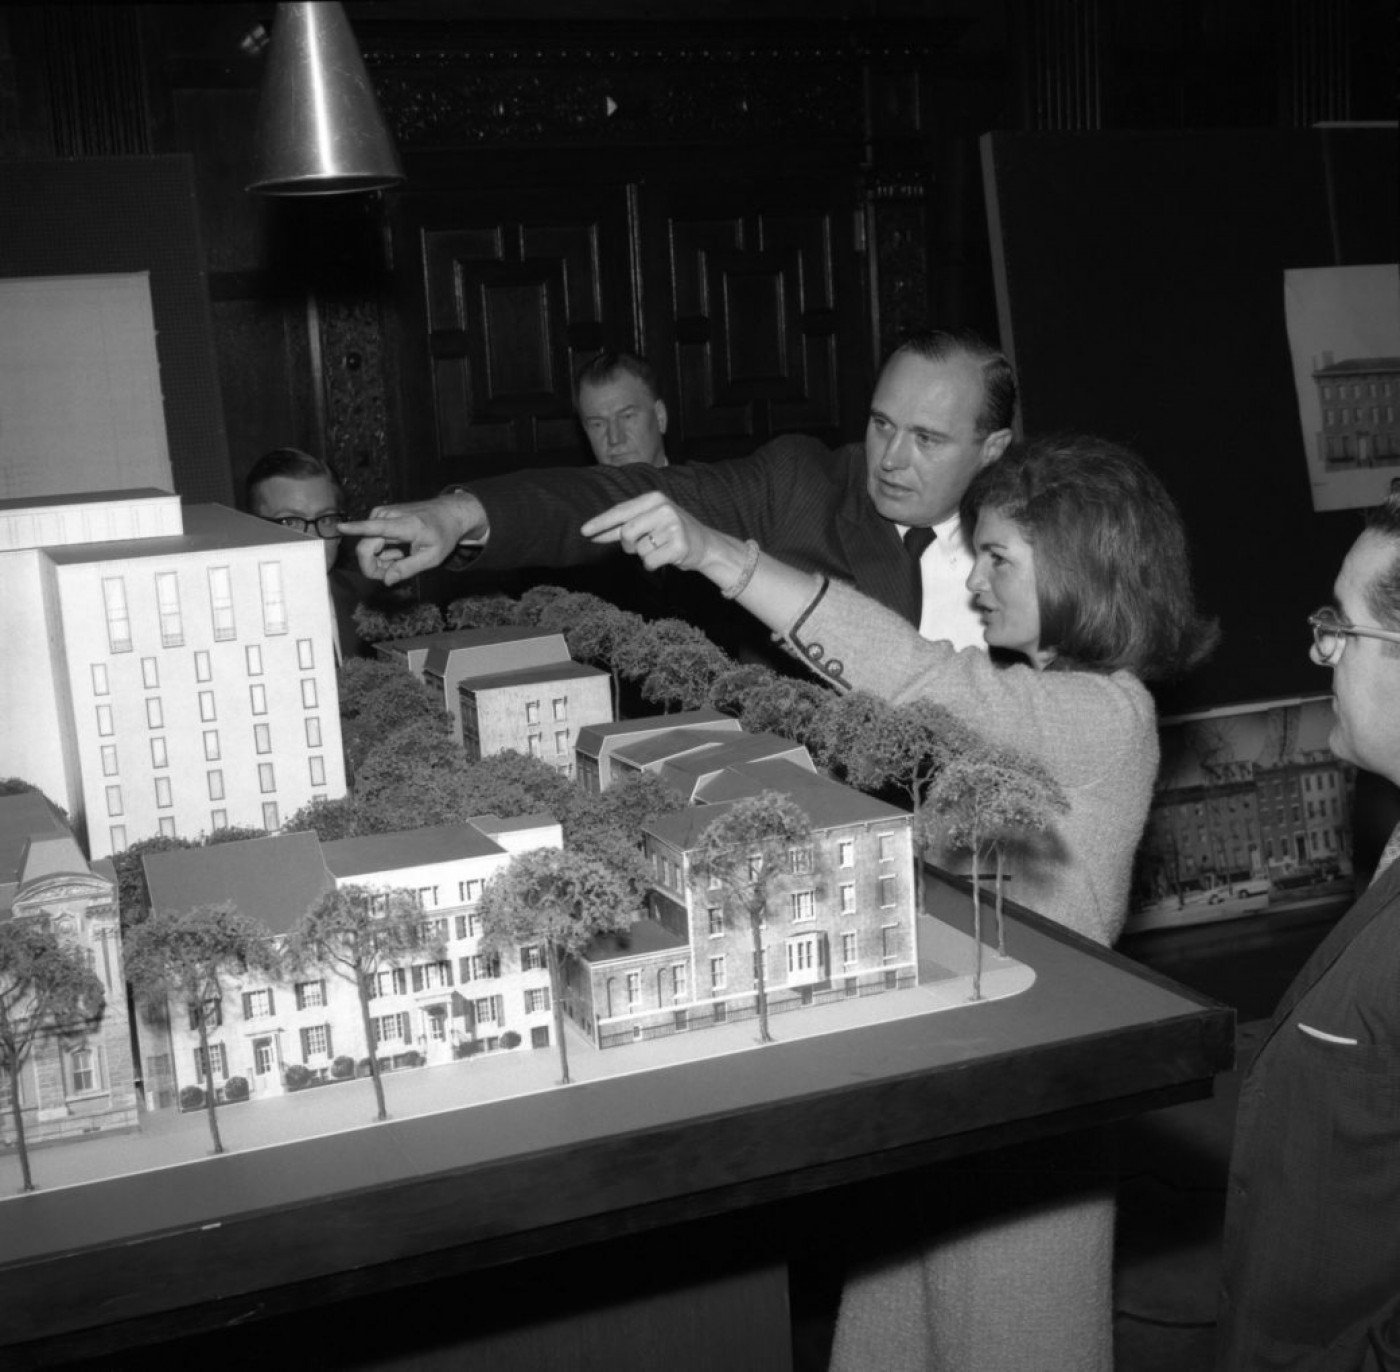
1112,571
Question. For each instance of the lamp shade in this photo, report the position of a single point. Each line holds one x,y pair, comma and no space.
320,131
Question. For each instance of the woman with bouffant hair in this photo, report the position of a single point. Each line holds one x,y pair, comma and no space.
1083,583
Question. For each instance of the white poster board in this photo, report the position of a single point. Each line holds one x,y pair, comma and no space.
80,397
1344,335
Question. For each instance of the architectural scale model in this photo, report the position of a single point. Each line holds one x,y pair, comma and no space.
70,1086
166,670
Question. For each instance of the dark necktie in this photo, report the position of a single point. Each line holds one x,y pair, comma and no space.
916,540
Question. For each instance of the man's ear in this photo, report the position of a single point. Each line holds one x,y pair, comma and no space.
994,445
660,415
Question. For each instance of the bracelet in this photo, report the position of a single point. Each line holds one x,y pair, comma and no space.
746,575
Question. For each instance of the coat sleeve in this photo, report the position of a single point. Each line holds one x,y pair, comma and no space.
535,515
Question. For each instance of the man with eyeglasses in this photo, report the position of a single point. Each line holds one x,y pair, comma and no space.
1311,1263
289,487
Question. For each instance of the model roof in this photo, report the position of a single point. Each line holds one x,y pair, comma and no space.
275,880
643,937
23,817
469,638
524,676
351,857
592,736
208,528
827,803
38,502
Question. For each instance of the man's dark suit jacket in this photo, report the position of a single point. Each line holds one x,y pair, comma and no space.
1311,1273
803,502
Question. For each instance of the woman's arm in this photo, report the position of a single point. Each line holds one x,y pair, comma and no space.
664,535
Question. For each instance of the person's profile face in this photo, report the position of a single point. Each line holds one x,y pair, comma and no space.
624,422
921,442
1003,585
1366,677
305,497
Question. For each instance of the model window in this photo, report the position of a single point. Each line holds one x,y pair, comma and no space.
159,756
306,654
715,917
536,1000
274,605
150,674
201,666
848,950
717,973
269,814
114,800
221,603
886,847
219,1057
211,745
313,731
163,792
109,759
82,1071
308,692
532,957
118,620
267,781
804,905
218,819
99,679
262,738
316,1041
848,898
257,698
118,837
561,707
532,712
887,891
561,741
104,721
253,656
206,707
216,784
257,1004
172,629
318,770
536,744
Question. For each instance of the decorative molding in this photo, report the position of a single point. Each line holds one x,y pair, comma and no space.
353,376
902,270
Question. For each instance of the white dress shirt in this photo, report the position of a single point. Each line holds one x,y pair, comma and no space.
946,566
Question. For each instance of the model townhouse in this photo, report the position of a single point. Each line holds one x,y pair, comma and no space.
845,922
446,1001
70,1085
167,670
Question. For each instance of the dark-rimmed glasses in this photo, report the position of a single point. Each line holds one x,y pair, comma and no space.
1331,631
324,526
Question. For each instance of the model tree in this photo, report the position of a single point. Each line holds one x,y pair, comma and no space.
562,900
194,956
746,856
982,801
490,611
876,746
357,933
46,987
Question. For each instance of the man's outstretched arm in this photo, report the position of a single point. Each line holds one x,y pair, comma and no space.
399,541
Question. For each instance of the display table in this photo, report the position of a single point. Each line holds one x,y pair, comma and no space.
645,1221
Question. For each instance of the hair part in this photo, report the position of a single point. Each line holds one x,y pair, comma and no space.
287,462
998,408
1112,569
608,365
1383,594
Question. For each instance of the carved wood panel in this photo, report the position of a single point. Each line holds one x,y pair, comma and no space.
755,310
518,289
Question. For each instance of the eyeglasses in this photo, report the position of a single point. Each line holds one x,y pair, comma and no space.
325,525
1331,631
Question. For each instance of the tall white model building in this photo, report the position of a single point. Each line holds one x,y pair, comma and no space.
164,671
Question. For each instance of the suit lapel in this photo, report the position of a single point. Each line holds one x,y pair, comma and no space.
871,546
1375,899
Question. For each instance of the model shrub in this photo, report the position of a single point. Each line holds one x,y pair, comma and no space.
363,1068
412,1058
299,1075
344,1067
191,1097
236,1088
510,1039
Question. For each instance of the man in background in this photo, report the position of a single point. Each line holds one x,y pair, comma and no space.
1311,1265
289,487
882,515
620,407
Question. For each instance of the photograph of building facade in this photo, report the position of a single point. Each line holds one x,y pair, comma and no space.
70,1087
1358,398
175,668
845,926
445,1003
